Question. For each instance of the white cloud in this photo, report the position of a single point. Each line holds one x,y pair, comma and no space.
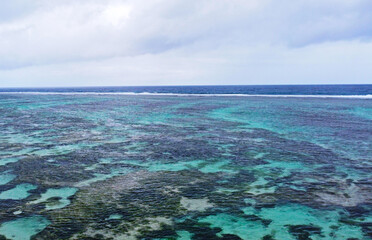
117,14
139,42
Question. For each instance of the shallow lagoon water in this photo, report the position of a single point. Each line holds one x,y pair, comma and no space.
19,192
165,167
6,177
23,228
62,193
5,161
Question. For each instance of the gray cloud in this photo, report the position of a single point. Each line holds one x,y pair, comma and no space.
55,34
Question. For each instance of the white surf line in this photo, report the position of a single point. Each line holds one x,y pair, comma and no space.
368,96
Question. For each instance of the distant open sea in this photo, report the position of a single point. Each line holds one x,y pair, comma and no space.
359,91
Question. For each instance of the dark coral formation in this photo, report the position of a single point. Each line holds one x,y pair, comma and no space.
165,167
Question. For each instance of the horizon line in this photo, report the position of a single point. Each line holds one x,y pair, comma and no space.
207,85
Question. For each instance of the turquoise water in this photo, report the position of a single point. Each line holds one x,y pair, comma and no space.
20,191
62,194
6,177
23,228
185,167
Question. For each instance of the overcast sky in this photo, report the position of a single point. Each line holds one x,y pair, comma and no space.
188,42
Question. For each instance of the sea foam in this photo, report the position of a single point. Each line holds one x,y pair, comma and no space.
367,96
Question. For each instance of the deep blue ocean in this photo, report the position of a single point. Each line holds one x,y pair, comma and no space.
232,89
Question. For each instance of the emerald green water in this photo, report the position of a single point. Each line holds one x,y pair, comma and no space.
163,167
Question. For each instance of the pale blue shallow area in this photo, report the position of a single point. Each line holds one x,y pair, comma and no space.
62,193
6,177
19,192
23,228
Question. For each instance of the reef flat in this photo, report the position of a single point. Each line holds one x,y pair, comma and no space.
185,167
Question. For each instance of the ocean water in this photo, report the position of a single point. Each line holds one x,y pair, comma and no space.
206,162
308,90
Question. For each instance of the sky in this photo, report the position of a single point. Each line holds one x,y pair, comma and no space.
53,43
